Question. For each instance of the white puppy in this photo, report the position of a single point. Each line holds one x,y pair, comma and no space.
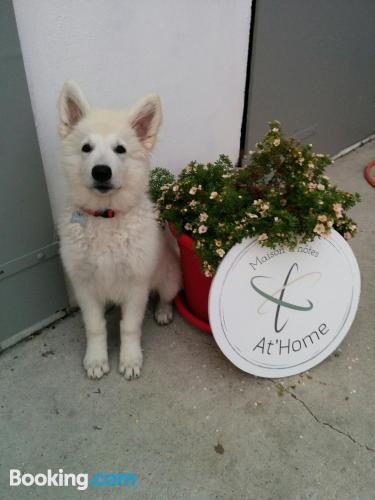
112,247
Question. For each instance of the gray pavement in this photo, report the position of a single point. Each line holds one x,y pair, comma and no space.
194,426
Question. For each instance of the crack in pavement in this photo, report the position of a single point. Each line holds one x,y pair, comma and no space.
327,424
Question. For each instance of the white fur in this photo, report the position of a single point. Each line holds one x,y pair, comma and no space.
117,260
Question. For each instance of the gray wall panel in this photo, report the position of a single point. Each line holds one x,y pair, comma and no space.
313,68
28,295
25,214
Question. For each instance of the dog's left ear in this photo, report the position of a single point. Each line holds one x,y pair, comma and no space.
73,106
145,119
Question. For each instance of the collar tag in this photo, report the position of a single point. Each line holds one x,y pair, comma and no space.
79,217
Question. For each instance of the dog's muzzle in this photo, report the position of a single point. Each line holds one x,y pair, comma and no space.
103,188
102,174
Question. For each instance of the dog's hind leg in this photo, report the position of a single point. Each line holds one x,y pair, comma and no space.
96,357
164,308
168,282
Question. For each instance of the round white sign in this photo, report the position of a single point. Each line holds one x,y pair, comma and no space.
276,313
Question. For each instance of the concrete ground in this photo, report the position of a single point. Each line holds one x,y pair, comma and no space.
194,426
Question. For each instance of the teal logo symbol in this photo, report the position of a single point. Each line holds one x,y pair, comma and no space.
277,297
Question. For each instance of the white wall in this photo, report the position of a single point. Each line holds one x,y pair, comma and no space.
192,52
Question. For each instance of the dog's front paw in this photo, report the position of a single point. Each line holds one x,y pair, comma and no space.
131,361
95,366
164,313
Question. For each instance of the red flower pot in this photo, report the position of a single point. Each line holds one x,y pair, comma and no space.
368,173
193,303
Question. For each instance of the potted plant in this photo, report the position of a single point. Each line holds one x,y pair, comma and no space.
281,196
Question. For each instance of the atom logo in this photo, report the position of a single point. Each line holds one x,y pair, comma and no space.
280,302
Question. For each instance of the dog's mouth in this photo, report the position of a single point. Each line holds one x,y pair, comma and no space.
103,188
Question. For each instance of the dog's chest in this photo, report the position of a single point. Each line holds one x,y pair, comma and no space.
106,252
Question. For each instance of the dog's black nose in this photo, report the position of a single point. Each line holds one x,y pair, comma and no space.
101,173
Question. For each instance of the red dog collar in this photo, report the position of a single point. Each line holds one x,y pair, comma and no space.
107,213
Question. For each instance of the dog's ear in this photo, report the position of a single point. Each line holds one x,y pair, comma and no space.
73,106
145,119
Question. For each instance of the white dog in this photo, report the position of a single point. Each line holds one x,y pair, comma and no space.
112,247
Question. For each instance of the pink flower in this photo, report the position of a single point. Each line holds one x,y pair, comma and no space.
202,229
208,270
213,195
347,236
262,237
337,207
188,226
319,229
203,217
193,190
322,218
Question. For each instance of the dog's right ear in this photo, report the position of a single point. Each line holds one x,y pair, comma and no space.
73,106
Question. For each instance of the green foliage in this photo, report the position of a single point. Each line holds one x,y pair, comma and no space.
281,195
159,176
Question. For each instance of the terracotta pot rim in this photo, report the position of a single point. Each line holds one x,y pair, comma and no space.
189,316
368,173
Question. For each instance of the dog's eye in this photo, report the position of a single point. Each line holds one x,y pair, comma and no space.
120,149
87,148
